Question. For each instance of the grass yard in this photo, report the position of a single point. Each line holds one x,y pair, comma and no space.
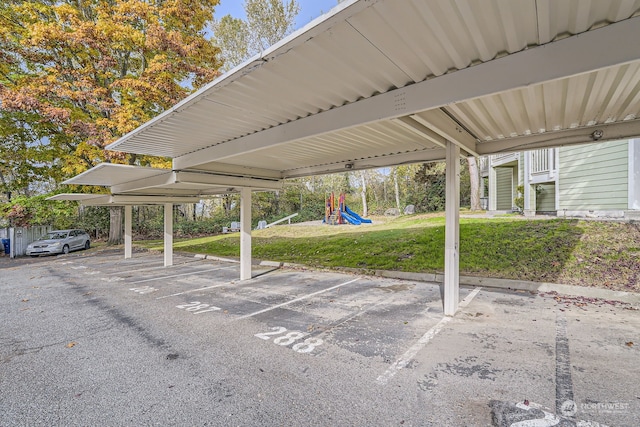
587,253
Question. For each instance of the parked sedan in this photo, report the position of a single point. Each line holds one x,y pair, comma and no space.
59,242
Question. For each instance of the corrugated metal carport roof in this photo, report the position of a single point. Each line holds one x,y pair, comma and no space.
123,200
376,83
161,183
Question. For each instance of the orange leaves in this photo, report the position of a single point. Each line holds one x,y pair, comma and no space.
56,114
134,12
19,101
87,72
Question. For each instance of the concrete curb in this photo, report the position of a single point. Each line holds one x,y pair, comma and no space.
270,264
217,258
572,290
235,260
517,285
485,282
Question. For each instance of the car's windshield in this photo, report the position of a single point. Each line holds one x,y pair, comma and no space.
54,236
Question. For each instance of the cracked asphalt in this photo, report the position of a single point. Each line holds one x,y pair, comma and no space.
93,339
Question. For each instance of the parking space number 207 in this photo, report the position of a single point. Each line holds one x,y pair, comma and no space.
196,307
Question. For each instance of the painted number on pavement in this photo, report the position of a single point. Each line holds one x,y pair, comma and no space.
196,307
289,337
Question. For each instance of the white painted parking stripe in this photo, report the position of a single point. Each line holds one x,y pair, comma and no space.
158,267
298,299
178,275
404,360
195,290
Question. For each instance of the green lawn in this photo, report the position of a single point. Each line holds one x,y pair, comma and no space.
588,253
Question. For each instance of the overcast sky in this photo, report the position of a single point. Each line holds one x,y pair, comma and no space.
309,9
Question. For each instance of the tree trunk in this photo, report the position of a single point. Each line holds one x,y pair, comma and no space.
226,203
396,188
474,178
385,197
365,210
376,199
115,225
7,192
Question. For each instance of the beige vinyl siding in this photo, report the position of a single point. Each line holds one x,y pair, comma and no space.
546,199
504,186
594,176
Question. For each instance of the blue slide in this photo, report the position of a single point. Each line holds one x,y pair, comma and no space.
350,219
356,216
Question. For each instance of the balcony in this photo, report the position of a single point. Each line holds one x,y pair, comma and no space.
543,165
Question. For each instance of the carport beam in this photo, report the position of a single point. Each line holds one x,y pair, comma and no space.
245,233
452,231
127,232
168,234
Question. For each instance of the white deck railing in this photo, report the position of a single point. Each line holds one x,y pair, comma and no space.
543,165
542,161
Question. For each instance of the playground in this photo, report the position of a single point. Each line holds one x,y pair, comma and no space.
337,212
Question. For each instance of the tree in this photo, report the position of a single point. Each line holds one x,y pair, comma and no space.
80,74
431,177
363,193
396,187
474,180
24,211
19,161
268,21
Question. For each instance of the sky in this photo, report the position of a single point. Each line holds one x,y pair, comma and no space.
309,9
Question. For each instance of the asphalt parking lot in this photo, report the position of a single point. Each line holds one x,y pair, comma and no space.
92,339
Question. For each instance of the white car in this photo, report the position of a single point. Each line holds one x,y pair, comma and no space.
59,242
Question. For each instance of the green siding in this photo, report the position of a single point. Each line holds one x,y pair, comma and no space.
521,169
594,176
504,186
546,199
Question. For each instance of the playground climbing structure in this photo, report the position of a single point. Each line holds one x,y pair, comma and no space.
337,212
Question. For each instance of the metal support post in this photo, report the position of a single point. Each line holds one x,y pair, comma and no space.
452,231
168,234
245,233
127,232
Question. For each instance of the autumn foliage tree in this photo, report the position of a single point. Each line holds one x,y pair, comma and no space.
77,74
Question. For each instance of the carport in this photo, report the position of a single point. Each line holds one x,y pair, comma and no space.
377,83
135,185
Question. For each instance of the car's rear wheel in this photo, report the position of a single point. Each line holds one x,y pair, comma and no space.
65,249
87,245
33,256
